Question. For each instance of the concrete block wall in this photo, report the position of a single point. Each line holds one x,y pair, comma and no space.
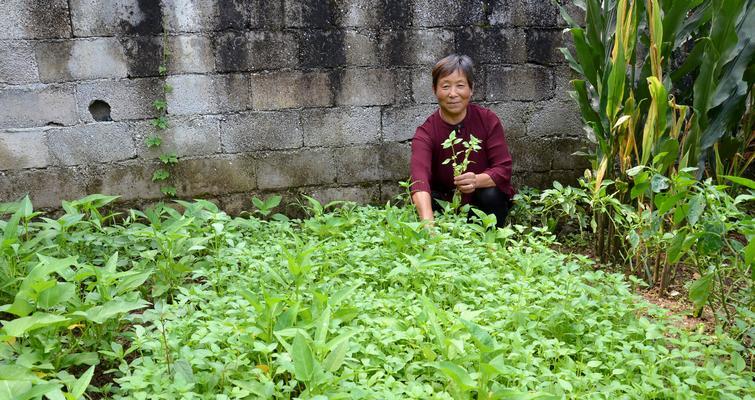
295,96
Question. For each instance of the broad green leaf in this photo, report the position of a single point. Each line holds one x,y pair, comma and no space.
102,313
20,326
700,290
81,384
457,374
749,183
56,295
304,360
335,358
184,372
39,390
696,208
675,250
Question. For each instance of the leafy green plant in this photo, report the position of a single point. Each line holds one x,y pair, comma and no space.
459,167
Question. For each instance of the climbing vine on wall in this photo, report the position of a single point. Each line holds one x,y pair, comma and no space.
167,159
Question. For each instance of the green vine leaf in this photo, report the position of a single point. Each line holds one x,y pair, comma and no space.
169,158
160,122
153,141
168,191
160,105
160,175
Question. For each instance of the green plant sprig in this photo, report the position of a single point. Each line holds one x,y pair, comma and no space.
468,146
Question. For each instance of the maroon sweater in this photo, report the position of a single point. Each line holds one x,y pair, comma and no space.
428,153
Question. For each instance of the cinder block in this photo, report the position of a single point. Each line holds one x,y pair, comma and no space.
514,117
91,144
30,19
127,98
364,87
564,75
203,94
216,175
190,54
290,89
143,55
422,85
566,160
358,164
303,168
556,118
393,192
400,123
543,46
17,65
114,17
508,13
312,14
23,149
360,13
523,83
394,161
429,13
361,48
46,187
415,47
264,14
321,48
192,15
492,45
254,51
266,130
540,13
340,126
185,136
81,59
531,154
366,194
37,105
131,180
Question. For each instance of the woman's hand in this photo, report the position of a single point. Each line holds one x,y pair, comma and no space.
466,182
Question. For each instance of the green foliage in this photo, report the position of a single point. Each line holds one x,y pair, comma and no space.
350,303
459,167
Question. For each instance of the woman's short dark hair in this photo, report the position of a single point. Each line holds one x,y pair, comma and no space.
452,63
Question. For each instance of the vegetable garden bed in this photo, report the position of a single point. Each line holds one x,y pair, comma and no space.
352,302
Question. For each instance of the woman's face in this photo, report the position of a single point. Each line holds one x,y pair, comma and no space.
453,93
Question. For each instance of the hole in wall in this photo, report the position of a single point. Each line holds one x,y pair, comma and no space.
100,110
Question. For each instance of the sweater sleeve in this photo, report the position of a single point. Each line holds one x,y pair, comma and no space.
421,162
499,156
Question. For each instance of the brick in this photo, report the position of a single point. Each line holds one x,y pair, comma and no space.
190,54
23,149
341,126
131,180
514,117
190,15
361,48
28,19
415,47
17,65
304,168
290,89
369,194
556,118
115,17
364,87
90,144
543,46
203,94
127,98
394,161
429,13
255,51
46,188
81,59
214,176
37,106
358,164
492,45
265,130
523,83
400,123
186,136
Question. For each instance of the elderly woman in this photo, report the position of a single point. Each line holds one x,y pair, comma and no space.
487,182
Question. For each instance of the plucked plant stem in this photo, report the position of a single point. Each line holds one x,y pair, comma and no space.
473,144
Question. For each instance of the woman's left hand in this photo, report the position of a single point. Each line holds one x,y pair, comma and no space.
466,182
